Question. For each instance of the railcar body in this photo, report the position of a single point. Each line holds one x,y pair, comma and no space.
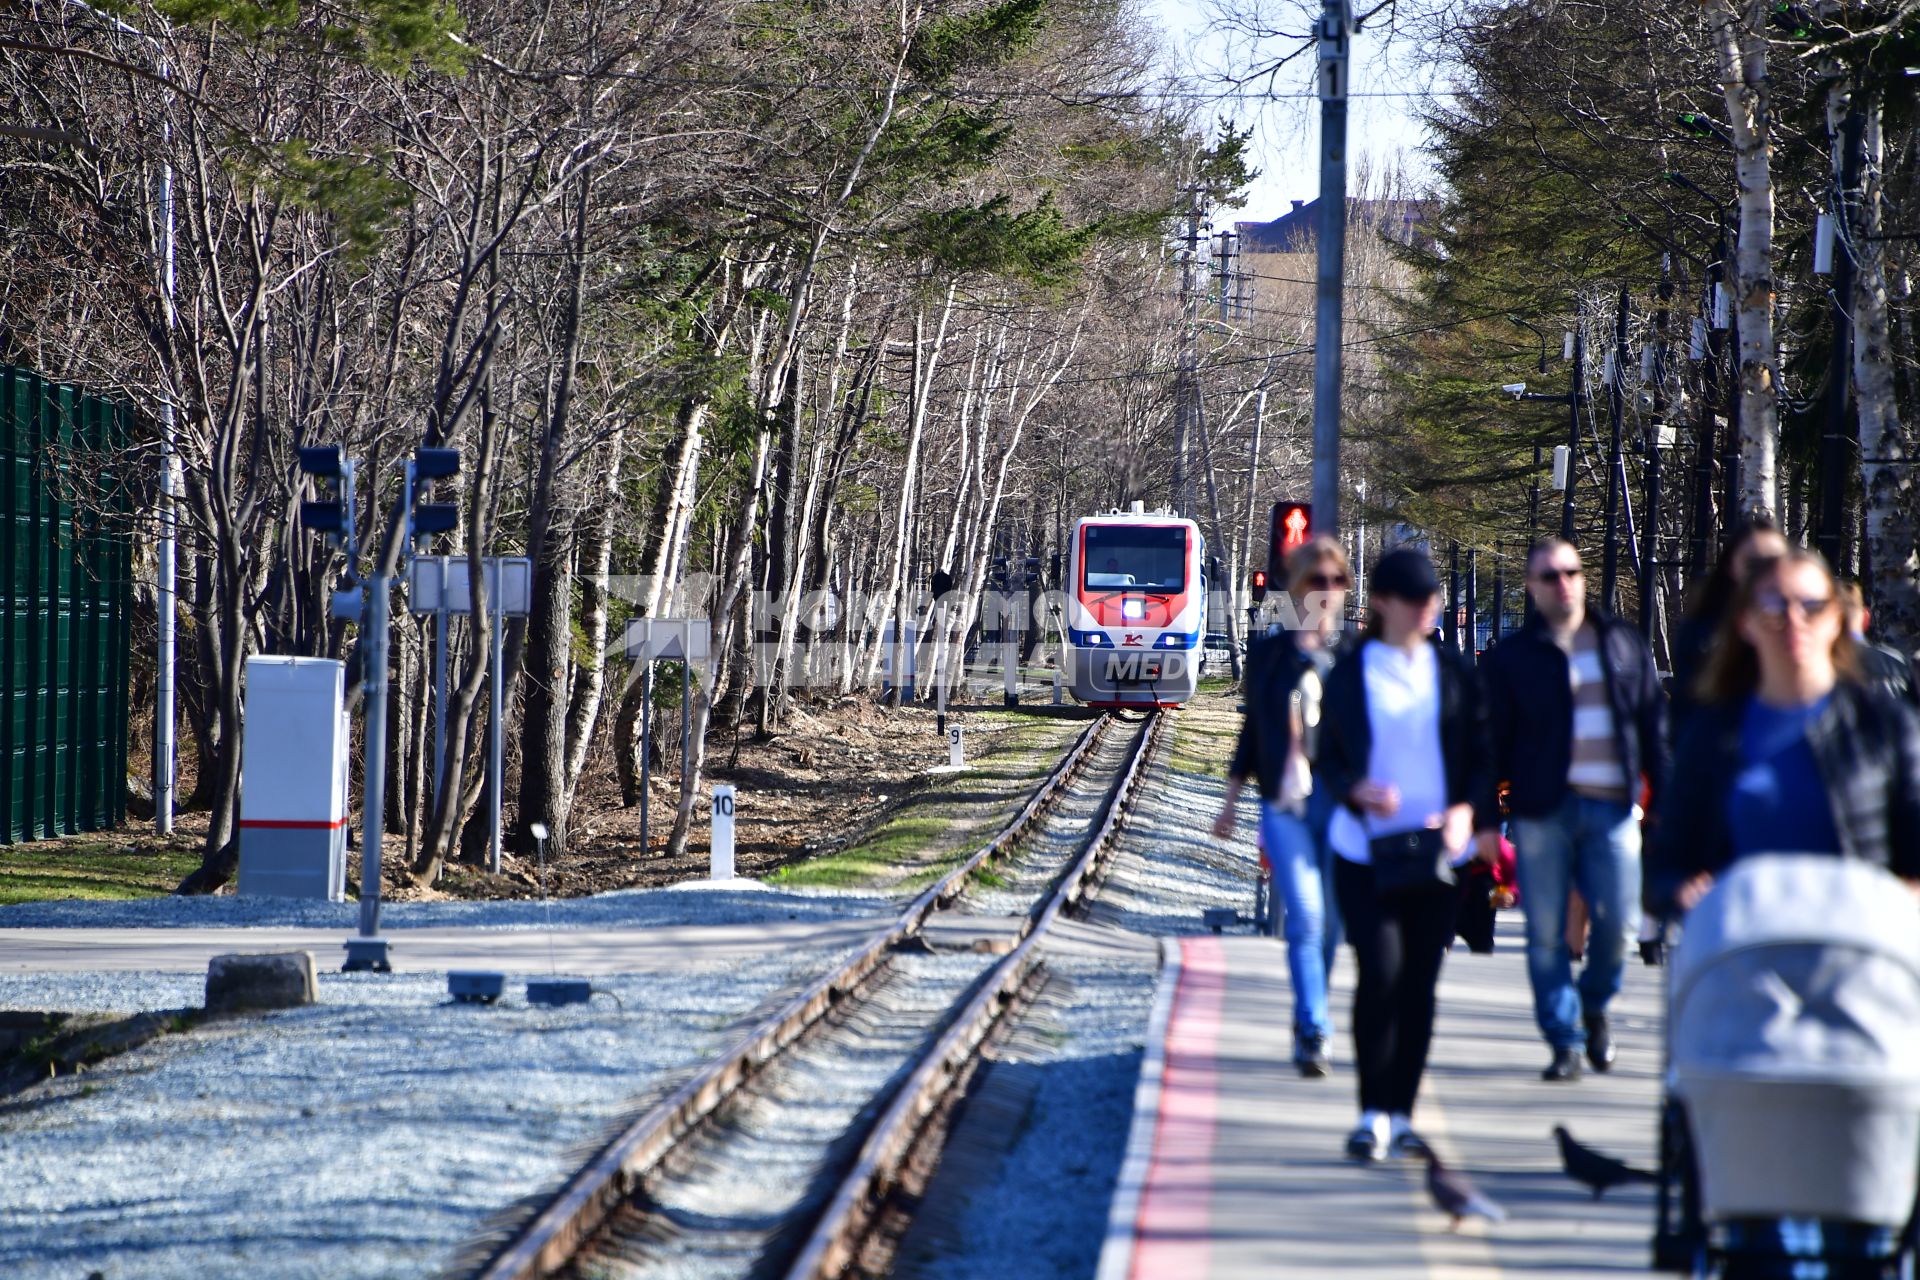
1136,609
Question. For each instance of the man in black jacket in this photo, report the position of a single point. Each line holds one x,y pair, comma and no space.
1577,716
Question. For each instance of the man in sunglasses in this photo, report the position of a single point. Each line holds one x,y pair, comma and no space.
1577,716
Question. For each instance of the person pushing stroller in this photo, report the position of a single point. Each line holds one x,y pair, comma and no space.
1790,835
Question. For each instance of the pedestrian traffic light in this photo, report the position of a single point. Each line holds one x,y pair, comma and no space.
1292,526
324,460
1259,585
430,518
430,462
332,473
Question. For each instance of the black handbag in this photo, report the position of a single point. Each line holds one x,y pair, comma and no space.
1410,860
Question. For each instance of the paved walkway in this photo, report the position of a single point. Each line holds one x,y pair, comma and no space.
575,951
1235,1167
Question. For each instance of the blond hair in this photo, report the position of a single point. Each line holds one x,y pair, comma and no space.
1310,555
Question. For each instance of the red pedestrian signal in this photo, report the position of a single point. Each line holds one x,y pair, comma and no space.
1292,526
1259,585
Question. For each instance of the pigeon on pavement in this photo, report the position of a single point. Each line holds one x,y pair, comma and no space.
1594,1170
1456,1196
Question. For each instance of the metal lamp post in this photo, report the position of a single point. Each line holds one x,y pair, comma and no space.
164,557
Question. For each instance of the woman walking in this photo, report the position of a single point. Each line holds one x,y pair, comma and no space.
1755,539
1789,751
1403,746
1285,674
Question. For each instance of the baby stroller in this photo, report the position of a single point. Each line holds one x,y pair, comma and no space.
1794,1034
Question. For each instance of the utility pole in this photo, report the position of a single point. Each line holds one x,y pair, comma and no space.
1498,629
1334,29
1473,604
166,756
1186,390
1450,624
1533,503
1616,462
1226,257
1574,398
1657,429
1839,432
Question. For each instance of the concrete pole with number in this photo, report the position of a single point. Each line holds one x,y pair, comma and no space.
1329,297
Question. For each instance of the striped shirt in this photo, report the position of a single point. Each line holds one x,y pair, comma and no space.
1595,770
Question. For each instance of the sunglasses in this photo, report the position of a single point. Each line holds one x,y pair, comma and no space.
1553,573
1775,607
1326,581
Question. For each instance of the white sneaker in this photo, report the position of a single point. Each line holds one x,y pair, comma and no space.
1401,1138
1370,1140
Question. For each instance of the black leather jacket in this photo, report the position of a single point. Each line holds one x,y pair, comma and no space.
1867,747
1275,664
1346,735
1530,712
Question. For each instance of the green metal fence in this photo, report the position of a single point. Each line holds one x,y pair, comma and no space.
65,602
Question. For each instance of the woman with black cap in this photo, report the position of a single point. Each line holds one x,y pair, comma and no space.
1403,746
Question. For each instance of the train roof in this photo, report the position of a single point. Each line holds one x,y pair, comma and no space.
1135,517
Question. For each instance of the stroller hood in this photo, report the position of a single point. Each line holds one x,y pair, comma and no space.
1801,967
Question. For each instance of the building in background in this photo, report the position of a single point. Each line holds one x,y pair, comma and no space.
1277,258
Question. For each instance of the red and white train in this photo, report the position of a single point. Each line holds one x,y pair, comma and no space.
1136,609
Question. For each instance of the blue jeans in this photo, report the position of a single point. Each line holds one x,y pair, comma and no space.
1593,846
1299,856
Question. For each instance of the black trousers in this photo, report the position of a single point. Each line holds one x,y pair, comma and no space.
1398,941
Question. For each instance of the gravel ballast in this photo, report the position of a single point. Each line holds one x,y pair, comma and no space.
1036,1206
365,1136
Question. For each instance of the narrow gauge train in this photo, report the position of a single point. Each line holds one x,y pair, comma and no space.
1136,609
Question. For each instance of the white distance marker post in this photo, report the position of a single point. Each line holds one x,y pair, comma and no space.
956,750
720,861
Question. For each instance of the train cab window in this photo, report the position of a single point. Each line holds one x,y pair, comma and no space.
1126,557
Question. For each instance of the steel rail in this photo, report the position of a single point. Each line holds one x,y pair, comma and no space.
545,1243
850,1215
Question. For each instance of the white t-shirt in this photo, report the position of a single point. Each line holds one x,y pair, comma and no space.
1403,715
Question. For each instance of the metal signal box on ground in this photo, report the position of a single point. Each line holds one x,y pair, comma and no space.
293,779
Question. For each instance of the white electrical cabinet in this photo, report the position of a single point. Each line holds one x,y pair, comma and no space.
293,779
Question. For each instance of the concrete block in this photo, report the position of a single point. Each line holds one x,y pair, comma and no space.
274,980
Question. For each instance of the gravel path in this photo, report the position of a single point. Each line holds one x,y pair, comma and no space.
693,902
366,1136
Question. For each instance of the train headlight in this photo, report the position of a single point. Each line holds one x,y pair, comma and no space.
1133,610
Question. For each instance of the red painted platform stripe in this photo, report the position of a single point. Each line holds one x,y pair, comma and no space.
278,824
1172,1235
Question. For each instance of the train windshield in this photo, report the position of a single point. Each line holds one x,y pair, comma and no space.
1134,557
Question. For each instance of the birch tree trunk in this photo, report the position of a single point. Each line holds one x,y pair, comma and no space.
925,363
596,561
1740,41
1885,466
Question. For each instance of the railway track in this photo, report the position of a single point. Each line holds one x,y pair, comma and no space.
817,1114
